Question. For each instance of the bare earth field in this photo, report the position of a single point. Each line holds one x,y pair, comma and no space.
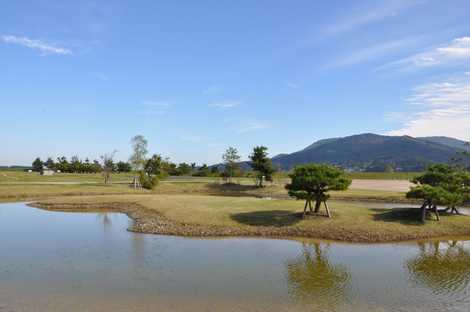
381,185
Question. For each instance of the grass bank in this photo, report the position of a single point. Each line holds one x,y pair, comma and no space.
28,192
189,215
7,176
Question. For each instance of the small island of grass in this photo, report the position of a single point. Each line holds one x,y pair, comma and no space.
213,216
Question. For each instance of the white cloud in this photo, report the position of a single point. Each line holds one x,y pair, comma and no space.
293,85
225,104
365,16
453,52
372,52
442,109
34,44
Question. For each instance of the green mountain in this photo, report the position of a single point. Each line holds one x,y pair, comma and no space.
372,152
448,141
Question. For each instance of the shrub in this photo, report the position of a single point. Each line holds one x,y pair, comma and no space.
148,182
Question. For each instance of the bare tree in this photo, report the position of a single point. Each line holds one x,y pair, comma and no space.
139,147
108,166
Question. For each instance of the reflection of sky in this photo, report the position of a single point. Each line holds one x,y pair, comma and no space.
92,256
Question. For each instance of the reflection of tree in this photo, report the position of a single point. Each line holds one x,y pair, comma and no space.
443,267
313,278
105,219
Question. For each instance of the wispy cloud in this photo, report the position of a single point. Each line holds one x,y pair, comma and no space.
397,117
190,138
35,44
367,15
453,52
155,107
225,104
372,52
252,125
441,108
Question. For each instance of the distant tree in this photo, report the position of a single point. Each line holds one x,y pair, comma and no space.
261,164
87,166
203,171
96,166
214,170
108,166
169,168
123,166
139,148
441,184
49,163
62,164
230,158
37,164
154,166
193,166
76,164
184,169
312,182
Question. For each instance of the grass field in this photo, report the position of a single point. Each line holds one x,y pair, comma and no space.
238,216
21,192
383,175
25,191
10,176
21,176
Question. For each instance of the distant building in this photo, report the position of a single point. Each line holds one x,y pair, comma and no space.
46,171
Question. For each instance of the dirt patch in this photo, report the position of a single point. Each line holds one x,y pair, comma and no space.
381,185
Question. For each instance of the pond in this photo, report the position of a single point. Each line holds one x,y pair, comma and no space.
89,262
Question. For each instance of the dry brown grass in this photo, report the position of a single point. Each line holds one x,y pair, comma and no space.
247,216
27,192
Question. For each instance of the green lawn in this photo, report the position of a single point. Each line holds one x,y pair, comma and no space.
383,175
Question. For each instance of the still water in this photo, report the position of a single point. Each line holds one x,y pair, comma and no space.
52,261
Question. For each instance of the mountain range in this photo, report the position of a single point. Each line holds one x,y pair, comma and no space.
373,152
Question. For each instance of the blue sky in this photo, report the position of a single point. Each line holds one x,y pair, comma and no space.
194,77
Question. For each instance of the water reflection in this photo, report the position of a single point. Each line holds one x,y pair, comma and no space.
312,277
53,261
443,267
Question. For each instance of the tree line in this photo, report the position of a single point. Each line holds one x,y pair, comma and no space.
77,165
